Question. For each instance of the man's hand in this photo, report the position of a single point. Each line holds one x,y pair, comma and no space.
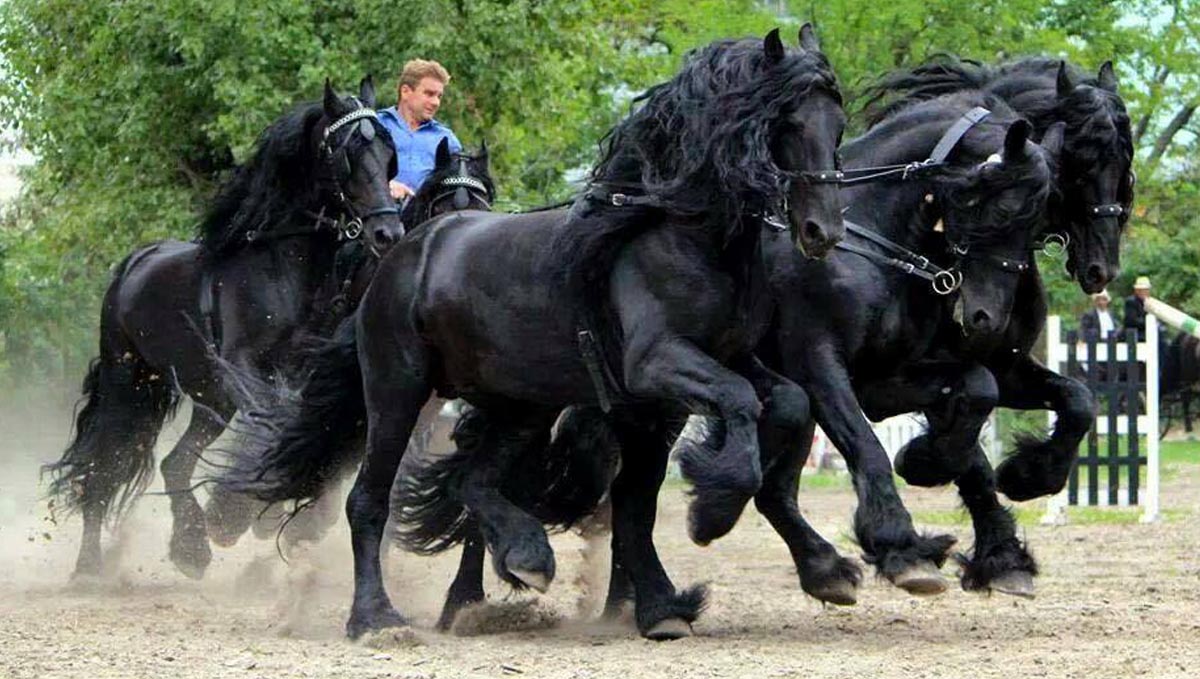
400,191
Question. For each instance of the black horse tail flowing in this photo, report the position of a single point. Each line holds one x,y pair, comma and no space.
559,483
110,460
302,444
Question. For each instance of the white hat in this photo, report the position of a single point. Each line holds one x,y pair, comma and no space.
1142,283
1103,294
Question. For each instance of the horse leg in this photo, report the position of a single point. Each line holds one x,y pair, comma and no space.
957,400
189,549
824,574
1041,467
395,391
521,553
660,612
467,587
999,561
620,588
881,523
726,478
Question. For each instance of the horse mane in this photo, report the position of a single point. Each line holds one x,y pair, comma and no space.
275,186
698,147
700,143
1029,86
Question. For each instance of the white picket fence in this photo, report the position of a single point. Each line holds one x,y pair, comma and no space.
1146,353
893,433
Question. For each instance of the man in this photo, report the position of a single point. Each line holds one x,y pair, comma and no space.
1098,322
1135,307
415,133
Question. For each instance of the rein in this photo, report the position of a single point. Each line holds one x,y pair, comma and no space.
942,281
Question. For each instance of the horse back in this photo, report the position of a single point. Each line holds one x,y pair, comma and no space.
478,291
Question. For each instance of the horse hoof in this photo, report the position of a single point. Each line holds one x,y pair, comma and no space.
532,579
838,593
922,579
1014,583
361,623
191,569
669,629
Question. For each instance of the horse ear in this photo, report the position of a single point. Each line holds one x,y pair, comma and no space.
773,47
483,158
366,92
442,157
332,104
1014,141
1052,140
1063,83
1108,77
808,38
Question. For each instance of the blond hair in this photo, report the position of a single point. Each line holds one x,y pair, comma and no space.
417,70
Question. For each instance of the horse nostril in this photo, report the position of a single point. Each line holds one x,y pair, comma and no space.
981,320
383,236
1095,274
813,233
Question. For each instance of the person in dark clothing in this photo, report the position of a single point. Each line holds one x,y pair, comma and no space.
1135,307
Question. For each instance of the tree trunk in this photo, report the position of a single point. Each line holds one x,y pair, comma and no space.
1168,134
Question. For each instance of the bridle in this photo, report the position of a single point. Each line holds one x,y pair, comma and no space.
462,188
349,223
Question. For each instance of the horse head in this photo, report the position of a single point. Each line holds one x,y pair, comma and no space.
459,181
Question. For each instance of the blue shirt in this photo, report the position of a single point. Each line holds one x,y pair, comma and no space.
415,149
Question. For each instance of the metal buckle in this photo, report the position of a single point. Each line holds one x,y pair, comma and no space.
619,199
777,225
353,229
946,281
1055,244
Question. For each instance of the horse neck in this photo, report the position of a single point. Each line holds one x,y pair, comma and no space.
895,209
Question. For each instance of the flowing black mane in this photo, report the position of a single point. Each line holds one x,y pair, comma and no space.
1096,118
700,143
276,186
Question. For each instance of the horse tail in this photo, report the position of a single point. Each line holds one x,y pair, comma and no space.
291,448
568,480
428,516
110,458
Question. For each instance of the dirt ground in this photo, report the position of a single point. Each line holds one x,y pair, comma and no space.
1113,601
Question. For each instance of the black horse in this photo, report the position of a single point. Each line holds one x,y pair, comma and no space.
458,181
1095,192
846,321
1095,181
649,294
1179,378
261,273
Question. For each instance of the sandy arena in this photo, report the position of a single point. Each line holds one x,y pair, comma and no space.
1113,601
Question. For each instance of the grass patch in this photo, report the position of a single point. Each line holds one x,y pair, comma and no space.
1032,516
825,478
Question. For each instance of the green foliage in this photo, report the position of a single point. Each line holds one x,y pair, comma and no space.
137,110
